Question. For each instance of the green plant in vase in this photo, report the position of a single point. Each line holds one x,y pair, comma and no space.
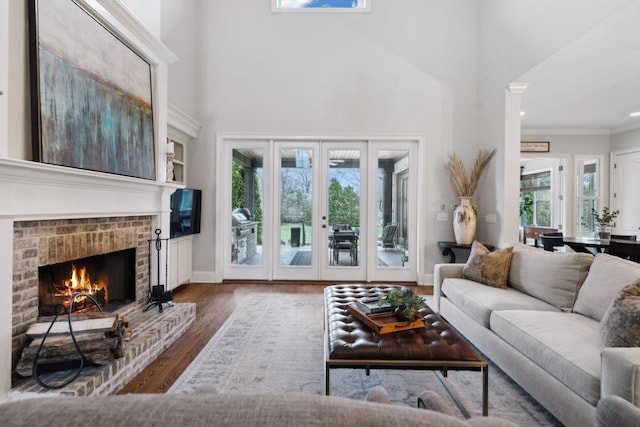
405,303
605,221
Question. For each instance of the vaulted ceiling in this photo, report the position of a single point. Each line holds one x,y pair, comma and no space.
592,85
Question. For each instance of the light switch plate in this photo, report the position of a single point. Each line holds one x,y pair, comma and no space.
442,216
491,218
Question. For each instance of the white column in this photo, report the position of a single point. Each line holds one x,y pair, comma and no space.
511,182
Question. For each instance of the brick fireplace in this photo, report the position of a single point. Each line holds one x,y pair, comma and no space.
48,242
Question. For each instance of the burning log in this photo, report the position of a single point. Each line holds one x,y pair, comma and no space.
99,336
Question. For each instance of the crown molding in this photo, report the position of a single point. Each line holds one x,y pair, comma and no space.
181,126
565,131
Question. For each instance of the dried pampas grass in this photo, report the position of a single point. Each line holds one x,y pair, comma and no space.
464,187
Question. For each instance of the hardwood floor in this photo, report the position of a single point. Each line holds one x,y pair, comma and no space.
214,304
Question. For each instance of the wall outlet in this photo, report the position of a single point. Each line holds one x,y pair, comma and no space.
442,216
492,218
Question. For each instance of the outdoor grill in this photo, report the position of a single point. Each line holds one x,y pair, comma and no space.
244,235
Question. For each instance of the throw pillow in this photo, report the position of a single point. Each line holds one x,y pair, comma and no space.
489,268
608,274
620,325
553,277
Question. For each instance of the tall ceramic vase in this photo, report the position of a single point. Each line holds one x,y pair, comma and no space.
465,217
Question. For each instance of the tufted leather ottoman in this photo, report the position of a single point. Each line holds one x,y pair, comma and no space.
349,343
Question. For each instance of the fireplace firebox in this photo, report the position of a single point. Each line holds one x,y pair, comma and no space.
109,278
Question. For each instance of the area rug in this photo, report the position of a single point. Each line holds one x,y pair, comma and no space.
273,343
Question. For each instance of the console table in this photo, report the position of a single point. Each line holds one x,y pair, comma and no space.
447,249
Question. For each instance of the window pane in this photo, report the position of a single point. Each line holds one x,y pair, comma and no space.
587,195
321,5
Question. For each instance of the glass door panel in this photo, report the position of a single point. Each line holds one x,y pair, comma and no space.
296,235
342,201
392,201
344,193
393,207
243,231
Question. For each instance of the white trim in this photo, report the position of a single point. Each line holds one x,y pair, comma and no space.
365,8
565,131
180,126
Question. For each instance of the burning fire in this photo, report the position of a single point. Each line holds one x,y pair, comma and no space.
79,282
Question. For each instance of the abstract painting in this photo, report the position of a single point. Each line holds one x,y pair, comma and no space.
91,94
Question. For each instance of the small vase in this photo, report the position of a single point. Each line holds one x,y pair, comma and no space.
465,217
603,232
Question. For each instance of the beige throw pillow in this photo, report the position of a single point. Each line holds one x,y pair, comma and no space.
489,268
620,325
608,274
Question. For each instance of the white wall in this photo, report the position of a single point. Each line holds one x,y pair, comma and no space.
625,140
148,13
407,70
418,67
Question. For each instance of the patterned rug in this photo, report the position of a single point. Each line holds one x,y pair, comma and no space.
273,343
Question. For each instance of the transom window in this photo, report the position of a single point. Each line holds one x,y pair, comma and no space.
320,5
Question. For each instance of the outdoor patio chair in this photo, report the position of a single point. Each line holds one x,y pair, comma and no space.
388,237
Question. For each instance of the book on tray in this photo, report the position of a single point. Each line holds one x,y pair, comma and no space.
370,306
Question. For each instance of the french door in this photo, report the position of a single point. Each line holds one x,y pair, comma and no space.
317,209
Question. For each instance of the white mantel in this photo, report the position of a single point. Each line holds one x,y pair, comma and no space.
31,190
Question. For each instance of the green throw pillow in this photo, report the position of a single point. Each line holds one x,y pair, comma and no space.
489,268
620,325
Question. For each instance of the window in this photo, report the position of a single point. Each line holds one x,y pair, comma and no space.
535,199
587,195
320,5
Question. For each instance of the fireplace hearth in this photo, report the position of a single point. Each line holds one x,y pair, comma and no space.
108,278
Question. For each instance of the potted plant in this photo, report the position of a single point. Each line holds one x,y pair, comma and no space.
604,221
404,302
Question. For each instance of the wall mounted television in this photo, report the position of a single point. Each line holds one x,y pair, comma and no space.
185,212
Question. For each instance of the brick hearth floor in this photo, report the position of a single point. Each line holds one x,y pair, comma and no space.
152,333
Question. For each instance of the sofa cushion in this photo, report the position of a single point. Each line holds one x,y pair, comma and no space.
620,324
607,276
486,267
478,301
567,345
553,277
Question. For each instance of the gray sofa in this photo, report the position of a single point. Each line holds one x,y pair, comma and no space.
226,409
544,329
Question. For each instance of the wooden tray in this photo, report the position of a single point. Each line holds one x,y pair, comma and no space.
384,323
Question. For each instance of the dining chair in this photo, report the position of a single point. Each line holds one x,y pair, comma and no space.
345,240
624,237
550,241
626,249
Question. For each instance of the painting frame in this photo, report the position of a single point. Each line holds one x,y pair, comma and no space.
91,93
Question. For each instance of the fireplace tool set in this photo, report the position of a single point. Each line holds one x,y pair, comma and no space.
157,293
